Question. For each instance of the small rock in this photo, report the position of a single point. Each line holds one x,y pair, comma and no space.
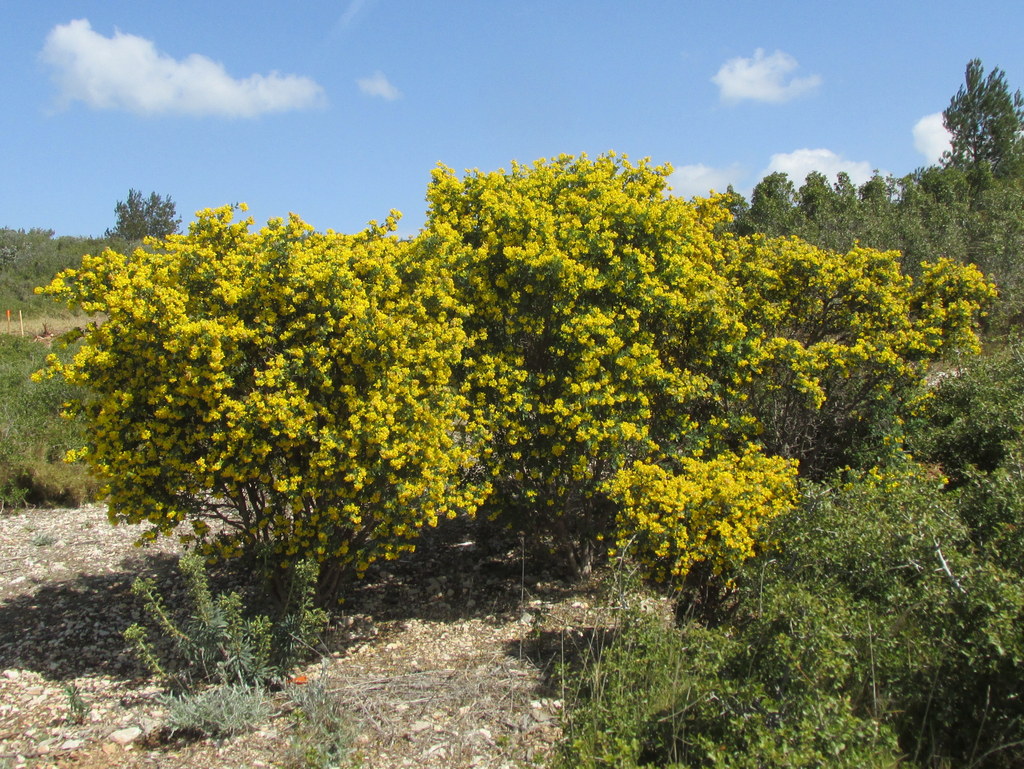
72,744
420,726
12,675
126,736
482,735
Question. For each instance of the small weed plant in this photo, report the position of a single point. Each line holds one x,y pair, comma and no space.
218,643
220,711
42,539
77,709
221,660
324,728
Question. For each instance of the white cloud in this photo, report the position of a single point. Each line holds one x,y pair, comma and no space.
378,85
699,179
931,138
762,78
799,163
127,72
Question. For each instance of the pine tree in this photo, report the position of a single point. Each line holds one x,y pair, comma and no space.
985,121
138,217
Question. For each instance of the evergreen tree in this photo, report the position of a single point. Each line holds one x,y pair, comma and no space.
986,122
772,207
139,217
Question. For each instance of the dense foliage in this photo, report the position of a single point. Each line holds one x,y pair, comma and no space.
604,337
622,337
290,387
594,362
139,217
884,625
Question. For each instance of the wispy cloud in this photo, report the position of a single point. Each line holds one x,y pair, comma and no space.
931,138
762,78
351,11
127,72
799,163
699,179
378,85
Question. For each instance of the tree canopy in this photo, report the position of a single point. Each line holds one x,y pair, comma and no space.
985,121
139,217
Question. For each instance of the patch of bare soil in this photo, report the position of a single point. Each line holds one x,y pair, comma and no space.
443,658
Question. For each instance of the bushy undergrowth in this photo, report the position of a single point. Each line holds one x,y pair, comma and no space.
883,628
34,438
219,642
975,413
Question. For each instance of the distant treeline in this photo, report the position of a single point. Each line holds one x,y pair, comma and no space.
31,258
969,207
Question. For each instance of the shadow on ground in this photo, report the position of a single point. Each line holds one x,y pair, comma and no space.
72,628
461,570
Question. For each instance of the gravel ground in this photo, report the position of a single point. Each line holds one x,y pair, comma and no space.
441,659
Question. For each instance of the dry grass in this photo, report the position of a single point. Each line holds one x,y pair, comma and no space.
43,327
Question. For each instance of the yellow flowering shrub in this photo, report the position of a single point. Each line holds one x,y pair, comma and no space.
703,511
602,327
837,343
291,387
564,345
626,347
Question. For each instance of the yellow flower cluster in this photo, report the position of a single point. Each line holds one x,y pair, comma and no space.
703,511
293,386
835,341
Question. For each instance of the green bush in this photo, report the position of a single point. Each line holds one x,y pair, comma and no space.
219,642
696,697
974,413
884,622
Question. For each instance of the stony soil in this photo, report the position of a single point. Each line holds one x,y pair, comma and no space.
442,659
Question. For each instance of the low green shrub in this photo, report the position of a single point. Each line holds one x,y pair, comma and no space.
934,612
697,697
883,627
975,411
222,710
219,642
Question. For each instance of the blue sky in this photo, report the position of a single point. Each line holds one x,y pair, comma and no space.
339,111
